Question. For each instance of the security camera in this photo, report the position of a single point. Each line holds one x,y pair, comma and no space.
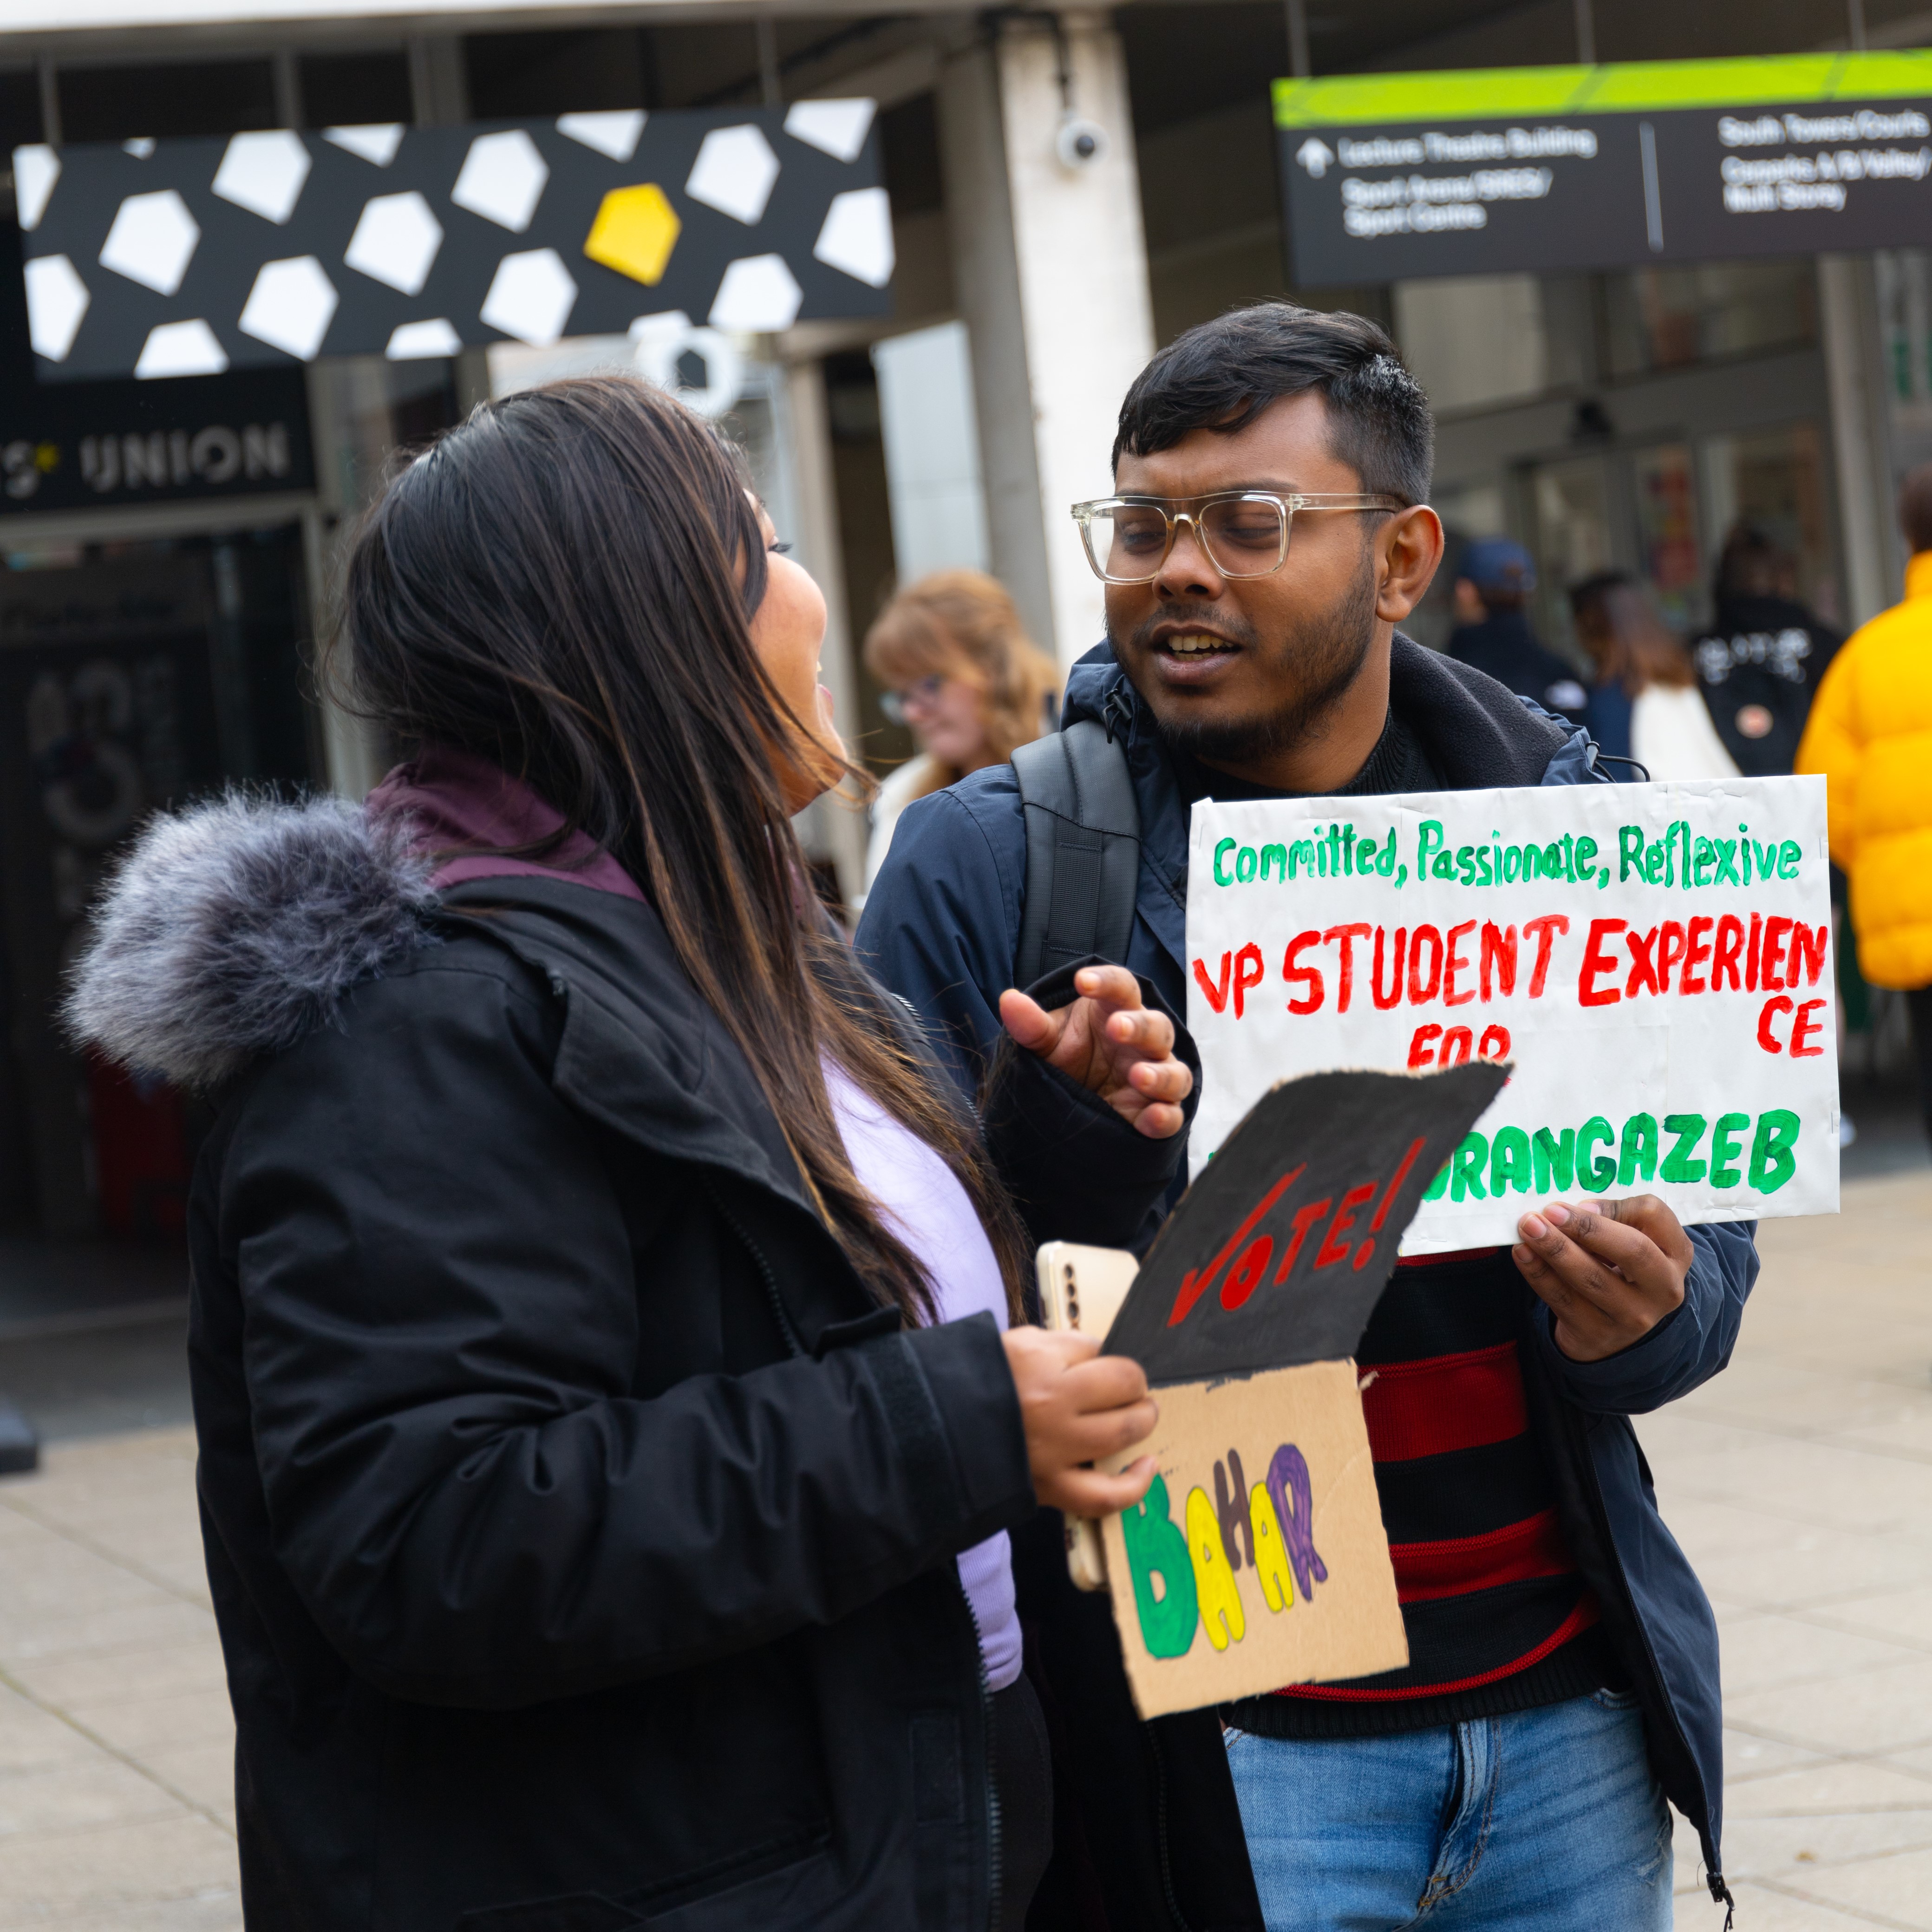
1079,144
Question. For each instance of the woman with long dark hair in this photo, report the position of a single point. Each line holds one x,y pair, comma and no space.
611,1395
1645,704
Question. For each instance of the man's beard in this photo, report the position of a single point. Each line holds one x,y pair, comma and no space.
1329,659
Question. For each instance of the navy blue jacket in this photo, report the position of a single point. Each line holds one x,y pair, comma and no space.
941,926
1504,646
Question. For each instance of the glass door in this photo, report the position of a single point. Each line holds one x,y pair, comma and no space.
107,712
1669,558
1570,518
1775,479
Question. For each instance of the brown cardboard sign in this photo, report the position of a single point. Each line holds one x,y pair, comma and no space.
1257,1557
1279,1252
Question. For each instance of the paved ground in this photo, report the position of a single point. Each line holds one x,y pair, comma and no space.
116,1805
1889,1126
66,1288
1800,1483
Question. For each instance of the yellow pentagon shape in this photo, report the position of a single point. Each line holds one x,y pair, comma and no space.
635,230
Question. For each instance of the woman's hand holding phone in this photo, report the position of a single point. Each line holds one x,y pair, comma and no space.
1077,1407
1110,1043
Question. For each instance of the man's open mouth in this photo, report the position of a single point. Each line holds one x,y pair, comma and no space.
1194,644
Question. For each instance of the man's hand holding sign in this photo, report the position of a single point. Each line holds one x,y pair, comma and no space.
1609,1270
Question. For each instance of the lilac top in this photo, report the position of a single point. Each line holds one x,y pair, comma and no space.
454,799
929,1211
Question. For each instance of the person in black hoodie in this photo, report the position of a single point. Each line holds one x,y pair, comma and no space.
1762,658
605,1521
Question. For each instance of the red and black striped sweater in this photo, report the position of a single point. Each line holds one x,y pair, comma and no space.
1497,1618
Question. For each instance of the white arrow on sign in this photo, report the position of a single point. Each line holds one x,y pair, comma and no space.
1315,155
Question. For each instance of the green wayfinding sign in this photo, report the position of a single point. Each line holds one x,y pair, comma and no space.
1390,176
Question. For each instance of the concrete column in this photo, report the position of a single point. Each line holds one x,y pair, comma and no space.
933,474
1855,379
438,86
833,827
985,273
353,752
1051,265
354,756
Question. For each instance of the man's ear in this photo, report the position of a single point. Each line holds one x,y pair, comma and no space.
1408,552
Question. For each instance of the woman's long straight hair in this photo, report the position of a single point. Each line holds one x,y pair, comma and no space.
563,585
1625,637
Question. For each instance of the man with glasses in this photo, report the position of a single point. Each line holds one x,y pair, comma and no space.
1269,532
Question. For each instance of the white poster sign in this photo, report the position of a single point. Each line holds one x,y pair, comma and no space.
1654,961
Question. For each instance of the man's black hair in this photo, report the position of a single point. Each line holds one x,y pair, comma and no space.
1222,374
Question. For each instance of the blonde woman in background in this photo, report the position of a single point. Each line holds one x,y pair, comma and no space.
959,669
1646,705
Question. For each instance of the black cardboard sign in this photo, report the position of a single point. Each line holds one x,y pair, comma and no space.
1279,1253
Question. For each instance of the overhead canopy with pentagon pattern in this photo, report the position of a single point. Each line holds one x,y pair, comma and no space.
190,257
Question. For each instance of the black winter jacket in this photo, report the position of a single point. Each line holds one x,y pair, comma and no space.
579,1528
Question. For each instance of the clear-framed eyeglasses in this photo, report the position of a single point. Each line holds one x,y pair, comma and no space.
1245,533
899,706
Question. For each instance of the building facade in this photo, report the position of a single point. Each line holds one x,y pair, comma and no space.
1067,191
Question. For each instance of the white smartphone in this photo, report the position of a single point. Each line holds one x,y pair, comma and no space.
1083,1288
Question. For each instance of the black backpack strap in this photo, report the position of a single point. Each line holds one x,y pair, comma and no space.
1083,843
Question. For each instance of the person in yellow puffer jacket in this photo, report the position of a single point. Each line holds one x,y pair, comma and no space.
1869,735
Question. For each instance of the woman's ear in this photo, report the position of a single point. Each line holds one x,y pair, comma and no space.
1409,548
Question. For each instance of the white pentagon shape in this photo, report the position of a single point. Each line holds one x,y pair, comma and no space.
834,128
658,345
181,349
395,242
531,296
264,173
141,147
857,236
375,141
734,173
290,307
655,341
57,298
615,133
152,240
758,296
36,169
415,341
501,177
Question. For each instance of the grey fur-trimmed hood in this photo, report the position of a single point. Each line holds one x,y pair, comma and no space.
231,928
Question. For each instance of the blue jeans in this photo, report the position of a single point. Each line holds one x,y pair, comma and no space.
1548,1818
